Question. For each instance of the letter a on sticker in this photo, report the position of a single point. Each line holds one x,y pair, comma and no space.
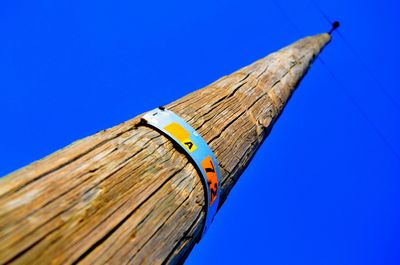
209,169
189,145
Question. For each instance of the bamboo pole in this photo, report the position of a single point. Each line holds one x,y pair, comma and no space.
126,194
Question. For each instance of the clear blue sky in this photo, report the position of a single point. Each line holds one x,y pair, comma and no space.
323,189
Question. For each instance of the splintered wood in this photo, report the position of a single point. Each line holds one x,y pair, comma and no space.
125,194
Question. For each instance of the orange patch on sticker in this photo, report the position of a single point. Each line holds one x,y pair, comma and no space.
212,180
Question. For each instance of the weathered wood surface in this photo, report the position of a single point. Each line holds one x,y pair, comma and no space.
125,194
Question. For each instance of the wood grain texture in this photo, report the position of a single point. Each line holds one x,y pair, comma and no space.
126,194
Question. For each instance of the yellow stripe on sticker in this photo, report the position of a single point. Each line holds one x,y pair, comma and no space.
181,135
177,131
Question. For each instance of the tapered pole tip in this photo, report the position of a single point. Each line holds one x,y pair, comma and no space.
335,25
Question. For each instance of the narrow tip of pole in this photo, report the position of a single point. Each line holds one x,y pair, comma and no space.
335,25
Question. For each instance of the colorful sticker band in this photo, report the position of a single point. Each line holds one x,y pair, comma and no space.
180,132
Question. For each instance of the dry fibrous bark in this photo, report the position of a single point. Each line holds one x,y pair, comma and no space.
126,194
